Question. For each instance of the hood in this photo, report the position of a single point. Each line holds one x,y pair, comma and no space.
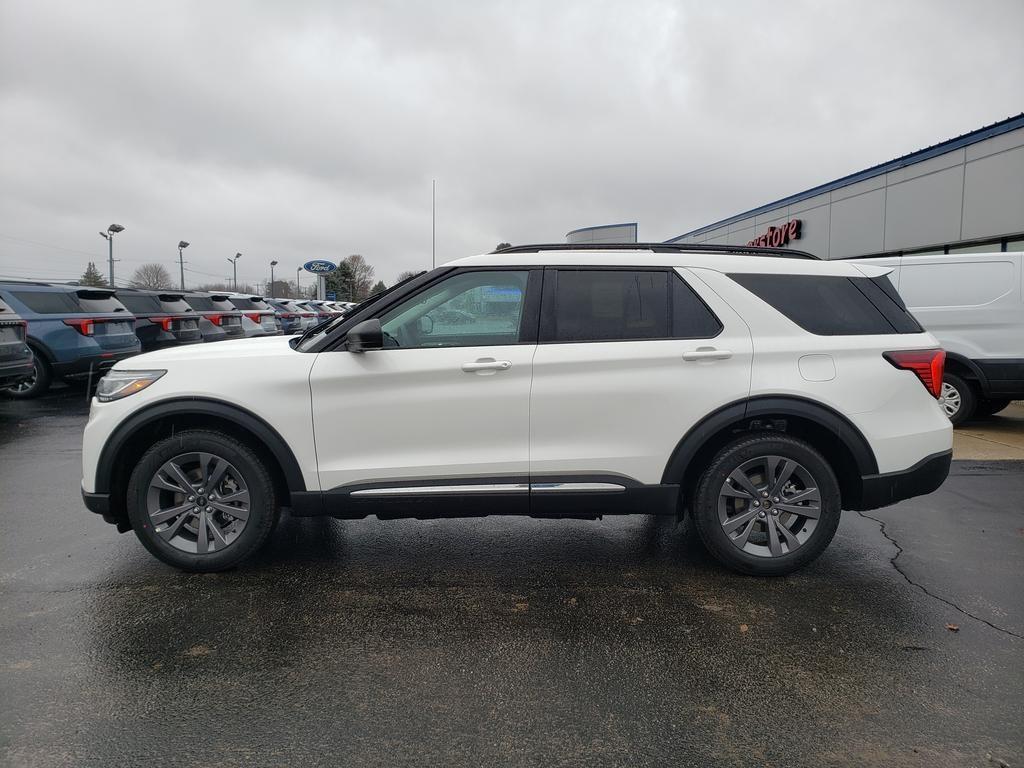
221,351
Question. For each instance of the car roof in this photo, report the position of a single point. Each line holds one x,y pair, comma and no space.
728,259
57,286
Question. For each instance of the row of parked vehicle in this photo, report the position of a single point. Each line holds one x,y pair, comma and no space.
57,331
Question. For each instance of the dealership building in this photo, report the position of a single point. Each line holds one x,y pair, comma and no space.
964,194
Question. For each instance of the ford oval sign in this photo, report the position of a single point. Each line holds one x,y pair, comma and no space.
319,266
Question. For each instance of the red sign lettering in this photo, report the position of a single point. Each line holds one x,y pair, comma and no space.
776,237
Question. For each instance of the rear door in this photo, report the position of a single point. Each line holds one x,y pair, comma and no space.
628,361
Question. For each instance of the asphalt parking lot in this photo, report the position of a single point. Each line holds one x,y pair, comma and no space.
506,641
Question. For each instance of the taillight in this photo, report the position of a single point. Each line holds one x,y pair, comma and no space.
161,320
215,319
927,364
289,315
254,316
84,325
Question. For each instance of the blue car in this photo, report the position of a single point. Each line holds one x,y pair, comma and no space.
74,332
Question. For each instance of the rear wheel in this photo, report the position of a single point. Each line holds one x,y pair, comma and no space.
767,505
990,407
35,384
957,398
201,501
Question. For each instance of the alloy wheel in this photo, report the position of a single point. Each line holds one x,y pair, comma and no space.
25,385
949,399
198,503
769,506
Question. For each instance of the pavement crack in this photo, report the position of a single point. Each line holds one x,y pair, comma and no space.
940,598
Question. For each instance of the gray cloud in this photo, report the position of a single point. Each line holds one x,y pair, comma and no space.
293,131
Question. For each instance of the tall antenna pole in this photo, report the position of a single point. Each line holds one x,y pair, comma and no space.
433,224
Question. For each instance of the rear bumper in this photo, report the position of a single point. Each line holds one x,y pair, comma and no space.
92,364
15,370
885,489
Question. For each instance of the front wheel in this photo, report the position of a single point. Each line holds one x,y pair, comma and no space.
957,398
201,501
767,505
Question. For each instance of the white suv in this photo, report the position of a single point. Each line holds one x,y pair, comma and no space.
757,391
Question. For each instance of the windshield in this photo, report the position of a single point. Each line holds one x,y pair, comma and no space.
304,342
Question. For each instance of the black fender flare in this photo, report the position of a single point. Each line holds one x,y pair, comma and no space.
201,406
773,405
972,366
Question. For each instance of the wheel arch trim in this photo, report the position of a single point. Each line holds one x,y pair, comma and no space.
269,436
770,405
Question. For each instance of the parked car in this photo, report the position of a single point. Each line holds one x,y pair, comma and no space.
258,319
974,304
74,332
162,318
307,314
15,355
288,315
319,312
758,395
219,319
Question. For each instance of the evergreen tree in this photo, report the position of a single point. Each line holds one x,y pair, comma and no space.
92,277
378,287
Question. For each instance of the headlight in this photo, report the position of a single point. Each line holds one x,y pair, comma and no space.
118,384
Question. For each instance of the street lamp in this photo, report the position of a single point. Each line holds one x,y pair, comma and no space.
234,268
298,290
112,230
272,265
182,245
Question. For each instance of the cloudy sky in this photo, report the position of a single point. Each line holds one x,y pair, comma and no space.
302,130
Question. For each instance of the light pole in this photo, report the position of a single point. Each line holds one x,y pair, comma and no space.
234,269
112,230
270,290
182,245
298,289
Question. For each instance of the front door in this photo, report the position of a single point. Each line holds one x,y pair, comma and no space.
445,402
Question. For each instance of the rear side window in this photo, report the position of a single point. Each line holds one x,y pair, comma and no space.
99,301
833,306
249,303
624,305
140,303
49,302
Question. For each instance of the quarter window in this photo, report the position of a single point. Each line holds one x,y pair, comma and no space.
468,310
624,305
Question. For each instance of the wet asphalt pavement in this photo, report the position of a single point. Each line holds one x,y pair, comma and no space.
499,641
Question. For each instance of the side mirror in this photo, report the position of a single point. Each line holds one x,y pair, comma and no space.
366,335
426,325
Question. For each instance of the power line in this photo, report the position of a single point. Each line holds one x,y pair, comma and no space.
50,245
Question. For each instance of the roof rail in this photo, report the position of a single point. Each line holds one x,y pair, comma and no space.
745,250
17,281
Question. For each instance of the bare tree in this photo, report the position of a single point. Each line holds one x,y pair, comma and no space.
405,276
152,276
362,276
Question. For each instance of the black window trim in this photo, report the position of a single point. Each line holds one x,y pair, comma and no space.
547,314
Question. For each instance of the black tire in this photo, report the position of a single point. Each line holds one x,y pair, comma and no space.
38,383
711,487
262,511
990,407
968,398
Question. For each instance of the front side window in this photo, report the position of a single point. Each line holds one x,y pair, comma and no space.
624,305
467,310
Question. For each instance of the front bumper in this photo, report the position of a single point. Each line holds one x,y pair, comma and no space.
885,489
100,504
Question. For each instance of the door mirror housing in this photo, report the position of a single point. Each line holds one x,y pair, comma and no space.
426,325
365,335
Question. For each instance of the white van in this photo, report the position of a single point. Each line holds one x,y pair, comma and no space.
974,304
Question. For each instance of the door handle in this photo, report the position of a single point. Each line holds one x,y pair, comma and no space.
707,353
487,364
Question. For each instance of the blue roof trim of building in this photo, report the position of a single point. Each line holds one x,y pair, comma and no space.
602,226
987,132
